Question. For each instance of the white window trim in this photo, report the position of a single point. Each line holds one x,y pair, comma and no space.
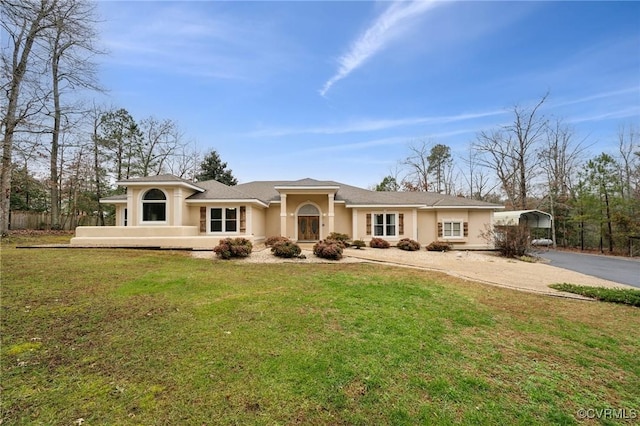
452,221
224,220
384,224
142,201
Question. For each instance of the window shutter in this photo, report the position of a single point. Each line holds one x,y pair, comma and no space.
401,223
439,229
368,223
243,219
203,219
465,227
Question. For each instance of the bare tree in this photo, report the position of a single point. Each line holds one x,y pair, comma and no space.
510,151
71,49
430,168
561,157
25,22
160,140
628,149
417,178
478,180
185,162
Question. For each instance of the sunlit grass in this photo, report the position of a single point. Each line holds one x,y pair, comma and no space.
138,337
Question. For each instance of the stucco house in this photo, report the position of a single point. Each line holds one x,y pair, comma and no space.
167,211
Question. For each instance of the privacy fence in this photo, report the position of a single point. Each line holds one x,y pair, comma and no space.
42,220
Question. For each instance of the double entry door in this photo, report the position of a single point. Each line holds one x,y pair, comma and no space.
308,228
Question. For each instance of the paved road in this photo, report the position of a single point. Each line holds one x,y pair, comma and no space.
620,270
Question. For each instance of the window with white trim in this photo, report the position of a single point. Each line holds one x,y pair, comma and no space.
223,219
384,224
452,229
154,206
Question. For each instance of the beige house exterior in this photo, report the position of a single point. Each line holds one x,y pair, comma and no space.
167,211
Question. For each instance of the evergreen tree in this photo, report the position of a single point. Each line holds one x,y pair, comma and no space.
213,168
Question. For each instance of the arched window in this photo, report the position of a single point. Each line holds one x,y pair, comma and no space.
154,206
308,210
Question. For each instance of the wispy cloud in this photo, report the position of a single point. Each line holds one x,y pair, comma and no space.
394,20
597,96
371,125
198,40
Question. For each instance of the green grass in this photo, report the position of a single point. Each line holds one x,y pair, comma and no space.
154,338
613,295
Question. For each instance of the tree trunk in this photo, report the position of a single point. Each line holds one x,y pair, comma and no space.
96,169
55,143
11,120
609,225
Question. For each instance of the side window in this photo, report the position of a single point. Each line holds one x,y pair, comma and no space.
224,219
154,206
452,229
384,224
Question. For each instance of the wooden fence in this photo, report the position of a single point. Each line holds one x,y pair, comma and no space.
42,220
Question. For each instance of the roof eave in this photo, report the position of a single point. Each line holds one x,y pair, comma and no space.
108,201
162,184
306,188
227,201
385,206
476,207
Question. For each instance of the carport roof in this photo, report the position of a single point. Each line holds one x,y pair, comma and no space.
531,218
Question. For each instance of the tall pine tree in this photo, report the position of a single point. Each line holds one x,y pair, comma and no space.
213,168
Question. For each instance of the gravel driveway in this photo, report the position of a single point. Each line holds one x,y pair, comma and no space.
484,267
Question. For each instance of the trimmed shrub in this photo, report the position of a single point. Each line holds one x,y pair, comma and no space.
233,247
271,241
359,244
340,239
337,236
328,250
379,243
286,249
408,244
438,246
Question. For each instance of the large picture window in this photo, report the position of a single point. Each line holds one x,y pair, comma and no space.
384,224
224,219
154,206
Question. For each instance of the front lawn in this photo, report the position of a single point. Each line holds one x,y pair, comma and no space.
140,337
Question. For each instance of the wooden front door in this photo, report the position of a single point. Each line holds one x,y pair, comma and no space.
308,228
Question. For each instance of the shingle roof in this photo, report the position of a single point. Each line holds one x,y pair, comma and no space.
266,192
214,190
352,195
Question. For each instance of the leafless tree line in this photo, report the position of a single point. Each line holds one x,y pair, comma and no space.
51,129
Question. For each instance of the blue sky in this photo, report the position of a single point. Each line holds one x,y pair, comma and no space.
338,90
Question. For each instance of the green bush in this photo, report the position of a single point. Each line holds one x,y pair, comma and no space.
379,243
270,241
359,244
438,246
233,247
328,250
408,244
613,295
286,249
